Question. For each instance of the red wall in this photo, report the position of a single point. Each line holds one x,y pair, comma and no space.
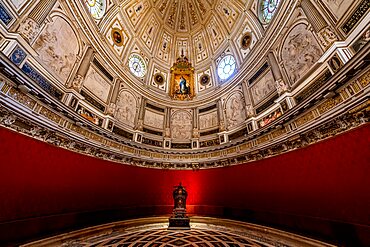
327,181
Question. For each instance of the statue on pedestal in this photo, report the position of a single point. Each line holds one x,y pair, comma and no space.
179,220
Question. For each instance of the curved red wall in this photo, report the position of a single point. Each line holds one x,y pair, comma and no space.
325,182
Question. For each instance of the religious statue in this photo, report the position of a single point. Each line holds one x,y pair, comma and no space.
179,220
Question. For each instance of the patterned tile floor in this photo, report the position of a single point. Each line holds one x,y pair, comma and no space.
153,232
163,237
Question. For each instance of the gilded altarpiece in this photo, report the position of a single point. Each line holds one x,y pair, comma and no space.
182,80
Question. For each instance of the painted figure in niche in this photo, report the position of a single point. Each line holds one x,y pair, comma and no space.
183,86
270,118
88,115
182,79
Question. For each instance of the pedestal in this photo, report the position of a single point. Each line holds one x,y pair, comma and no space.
179,223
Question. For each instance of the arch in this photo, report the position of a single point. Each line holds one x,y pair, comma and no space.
58,47
299,51
181,125
235,109
126,107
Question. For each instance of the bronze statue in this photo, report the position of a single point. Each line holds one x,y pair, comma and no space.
179,220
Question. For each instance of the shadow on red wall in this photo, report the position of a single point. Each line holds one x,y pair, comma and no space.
322,190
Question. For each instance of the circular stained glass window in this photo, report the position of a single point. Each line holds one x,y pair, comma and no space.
96,8
226,67
137,65
267,9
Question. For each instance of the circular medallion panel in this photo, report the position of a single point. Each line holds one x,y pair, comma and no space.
267,9
246,40
137,65
117,36
226,67
96,8
204,80
159,79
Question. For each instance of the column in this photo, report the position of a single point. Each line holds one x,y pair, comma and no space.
30,27
140,120
248,104
195,123
112,105
325,32
313,15
281,86
221,118
82,70
167,127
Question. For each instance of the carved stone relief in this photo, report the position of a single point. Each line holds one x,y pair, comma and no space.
300,52
338,7
263,87
153,119
235,110
327,36
181,125
126,108
209,120
57,47
97,85
29,29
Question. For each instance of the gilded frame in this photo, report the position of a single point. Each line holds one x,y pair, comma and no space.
182,70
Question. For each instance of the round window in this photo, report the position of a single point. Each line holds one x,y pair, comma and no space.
226,67
137,65
96,8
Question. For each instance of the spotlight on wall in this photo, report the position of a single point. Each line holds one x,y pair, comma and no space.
24,89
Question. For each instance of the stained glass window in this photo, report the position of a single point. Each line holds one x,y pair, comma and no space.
137,65
226,67
267,9
96,8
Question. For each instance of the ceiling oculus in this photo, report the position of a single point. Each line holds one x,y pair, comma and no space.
137,65
96,8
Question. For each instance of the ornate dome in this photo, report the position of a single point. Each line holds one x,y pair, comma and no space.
182,84
162,31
